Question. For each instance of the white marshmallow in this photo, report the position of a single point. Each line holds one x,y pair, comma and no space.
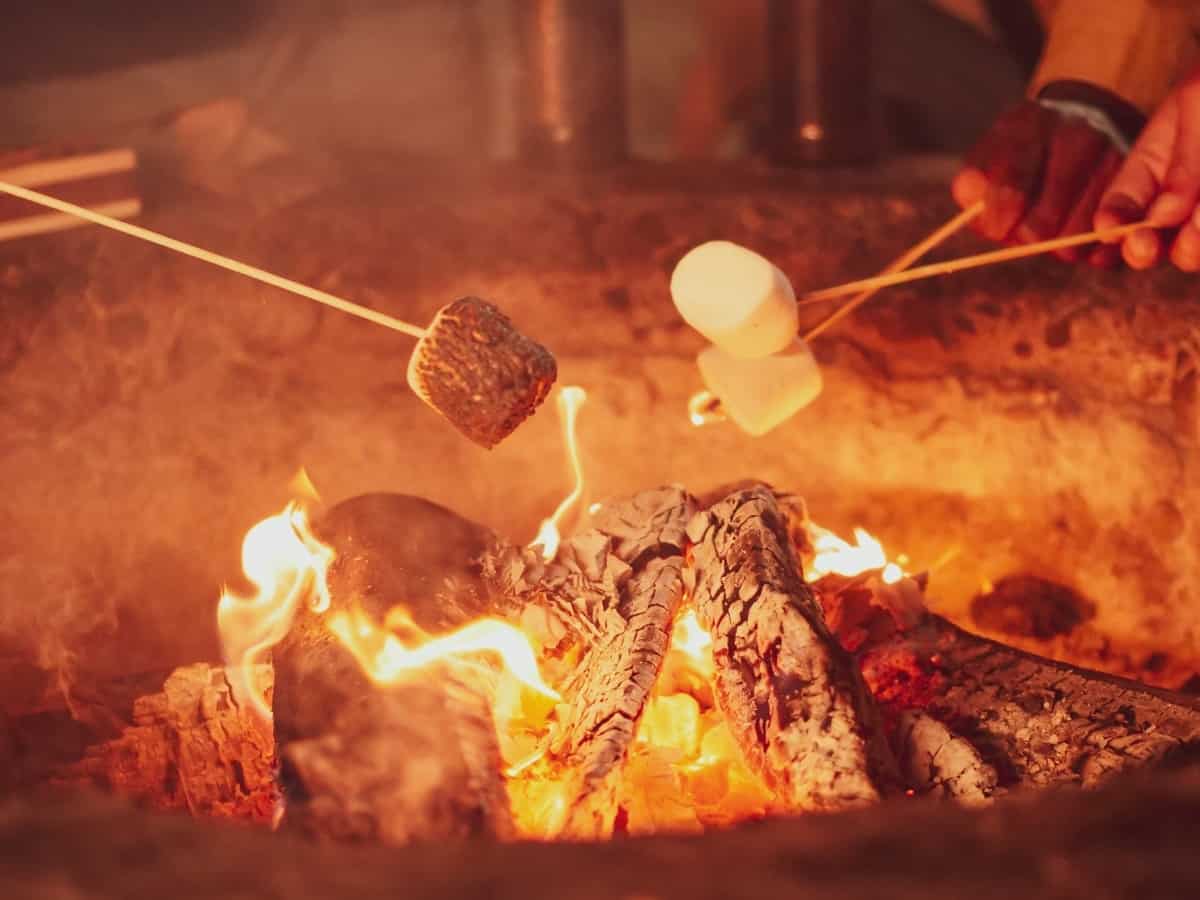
737,299
760,394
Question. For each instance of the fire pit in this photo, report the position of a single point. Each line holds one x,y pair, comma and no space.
1014,443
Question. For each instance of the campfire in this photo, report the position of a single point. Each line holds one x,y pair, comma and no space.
865,566
663,662
678,663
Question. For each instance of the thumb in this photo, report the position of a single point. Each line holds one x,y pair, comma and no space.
1145,169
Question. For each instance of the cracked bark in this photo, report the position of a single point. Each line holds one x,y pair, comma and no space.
793,697
417,760
1045,723
631,561
936,761
1035,722
189,746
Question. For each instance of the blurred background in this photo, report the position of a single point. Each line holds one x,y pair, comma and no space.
442,77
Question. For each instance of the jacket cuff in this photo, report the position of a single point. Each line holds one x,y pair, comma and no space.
1104,110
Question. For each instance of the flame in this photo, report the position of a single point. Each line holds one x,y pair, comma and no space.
705,409
685,771
837,556
301,487
386,658
286,564
690,639
570,399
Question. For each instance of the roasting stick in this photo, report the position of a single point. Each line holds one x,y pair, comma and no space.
910,256
471,365
215,259
970,262
759,394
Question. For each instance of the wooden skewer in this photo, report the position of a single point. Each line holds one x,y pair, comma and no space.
955,225
970,262
215,259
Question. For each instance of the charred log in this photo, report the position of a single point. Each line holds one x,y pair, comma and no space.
1037,722
793,697
617,674
1045,723
936,761
609,595
399,764
190,746
397,550
395,763
1130,839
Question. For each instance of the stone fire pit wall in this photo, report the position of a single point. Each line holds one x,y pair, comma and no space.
1033,419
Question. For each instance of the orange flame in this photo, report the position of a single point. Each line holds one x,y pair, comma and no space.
286,564
570,399
836,556
387,659
689,638
687,770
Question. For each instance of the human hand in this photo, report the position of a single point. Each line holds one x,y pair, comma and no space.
1160,182
1040,174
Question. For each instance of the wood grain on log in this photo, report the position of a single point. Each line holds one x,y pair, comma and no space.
1131,839
935,760
1035,721
413,761
793,697
616,676
189,747
1042,722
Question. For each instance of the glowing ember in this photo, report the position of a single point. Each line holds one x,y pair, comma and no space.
286,565
705,409
687,771
689,638
570,400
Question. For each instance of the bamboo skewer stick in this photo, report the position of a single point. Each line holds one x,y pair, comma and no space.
970,262
215,259
910,256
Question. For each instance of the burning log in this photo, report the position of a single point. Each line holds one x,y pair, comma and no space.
190,747
396,549
612,685
812,680
794,698
398,762
394,764
611,593
1037,721
1033,721
935,760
